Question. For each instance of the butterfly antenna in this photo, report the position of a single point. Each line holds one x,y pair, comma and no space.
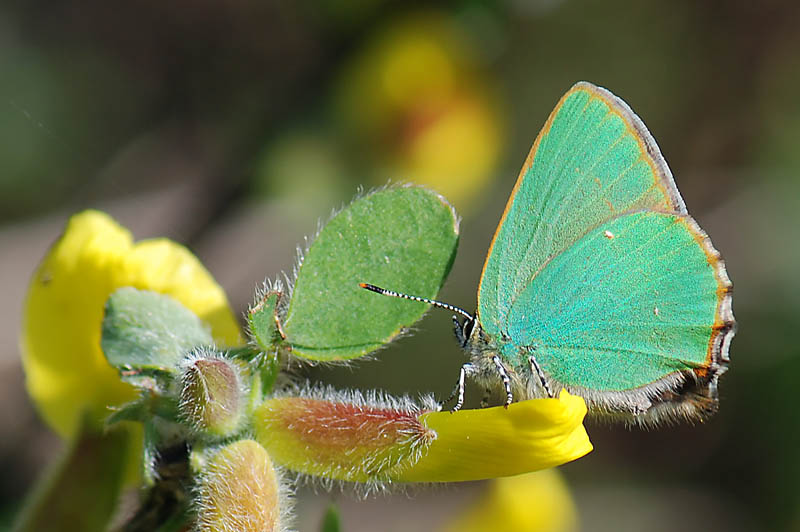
392,293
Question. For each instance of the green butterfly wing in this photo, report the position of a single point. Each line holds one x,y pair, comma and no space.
637,317
596,268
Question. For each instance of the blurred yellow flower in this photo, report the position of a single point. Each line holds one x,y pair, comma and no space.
535,502
417,100
66,373
346,437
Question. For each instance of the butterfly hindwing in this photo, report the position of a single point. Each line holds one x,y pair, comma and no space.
641,304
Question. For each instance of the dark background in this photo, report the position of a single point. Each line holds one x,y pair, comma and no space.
234,126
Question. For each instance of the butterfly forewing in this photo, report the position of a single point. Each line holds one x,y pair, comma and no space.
592,161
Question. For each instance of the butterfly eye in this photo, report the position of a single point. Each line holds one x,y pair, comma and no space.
468,327
463,330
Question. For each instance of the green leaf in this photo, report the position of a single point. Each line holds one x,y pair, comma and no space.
265,329
144,408
401,238
145,333
268,367
134,411
161,437
81,491
164,502
263,368
331,521
262,320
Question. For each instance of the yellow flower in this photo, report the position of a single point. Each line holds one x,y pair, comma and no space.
498,442
350,438
537,501
66,373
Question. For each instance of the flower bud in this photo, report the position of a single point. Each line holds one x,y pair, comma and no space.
343,436
239,490
212,394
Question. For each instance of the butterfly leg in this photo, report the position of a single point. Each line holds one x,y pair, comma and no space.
458,391
538,371
506,380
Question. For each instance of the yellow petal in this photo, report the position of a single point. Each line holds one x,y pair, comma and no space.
66,372
497,442
537,501
64,367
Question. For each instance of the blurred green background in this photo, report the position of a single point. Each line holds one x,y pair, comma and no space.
234,126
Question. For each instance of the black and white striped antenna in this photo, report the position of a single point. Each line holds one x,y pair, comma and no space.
439,304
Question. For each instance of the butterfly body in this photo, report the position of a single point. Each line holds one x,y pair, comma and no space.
597,279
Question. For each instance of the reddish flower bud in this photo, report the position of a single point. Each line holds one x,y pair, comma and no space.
212,394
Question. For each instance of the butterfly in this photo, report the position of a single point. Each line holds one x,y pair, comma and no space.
597,280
